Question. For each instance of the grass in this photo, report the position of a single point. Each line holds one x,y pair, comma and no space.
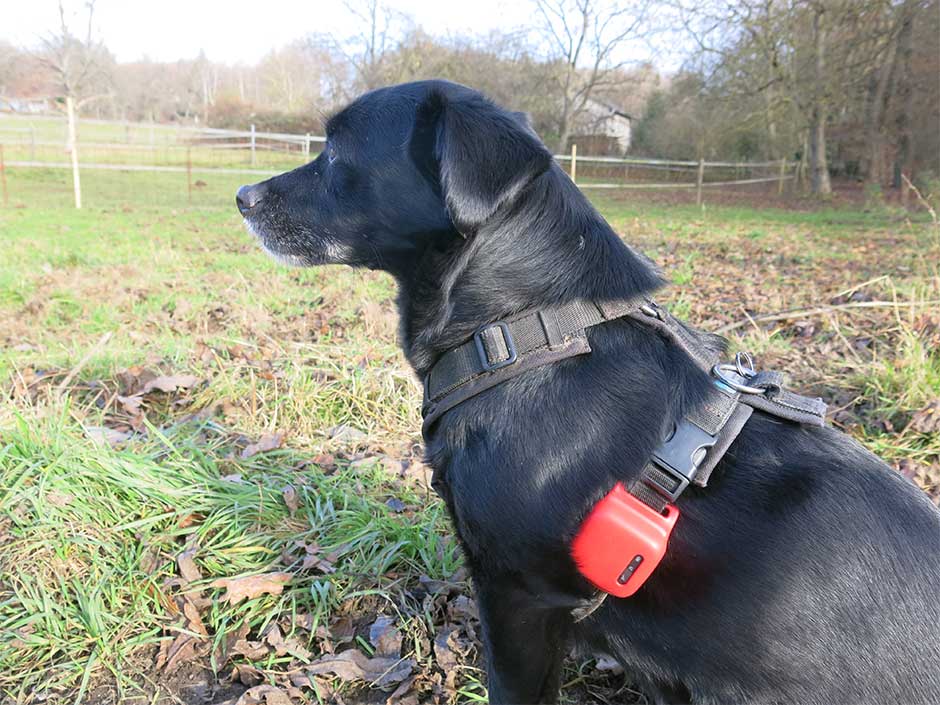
93,303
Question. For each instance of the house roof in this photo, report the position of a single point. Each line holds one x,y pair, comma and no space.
613,109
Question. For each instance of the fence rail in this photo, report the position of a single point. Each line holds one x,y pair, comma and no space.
31,142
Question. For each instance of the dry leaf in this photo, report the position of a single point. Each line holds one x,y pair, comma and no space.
264,695
246,674
187,566
170,383
927,420
385,637
283,646
103,435
353,665
131,404
251,650
59,499
267,442
400,692
291,499
347,434
251,586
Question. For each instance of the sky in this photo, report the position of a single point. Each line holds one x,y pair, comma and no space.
239,30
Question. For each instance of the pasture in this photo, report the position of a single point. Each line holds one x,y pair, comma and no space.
210,465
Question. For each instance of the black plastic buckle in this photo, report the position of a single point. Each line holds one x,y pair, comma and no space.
481,348
680,457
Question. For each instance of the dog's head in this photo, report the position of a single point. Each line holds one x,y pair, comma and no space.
403,168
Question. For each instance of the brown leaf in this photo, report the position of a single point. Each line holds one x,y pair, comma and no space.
246,674
385,637
312,561
291,499
353,665
187,566
185,647
927,420
170,383
103,435
283,646
264,695
59,499
400,692
267,442
251,586
132,403
251,650
347,434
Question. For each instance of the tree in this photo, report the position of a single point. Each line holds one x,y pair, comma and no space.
586,40
79,68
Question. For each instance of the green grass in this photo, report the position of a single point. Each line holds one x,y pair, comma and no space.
144,278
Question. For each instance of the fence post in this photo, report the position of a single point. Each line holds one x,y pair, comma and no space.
307,146
700,177
252,146
32,142
3,178
574,162
73,149
781,176
189,174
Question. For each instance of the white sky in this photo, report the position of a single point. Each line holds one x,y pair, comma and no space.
240,30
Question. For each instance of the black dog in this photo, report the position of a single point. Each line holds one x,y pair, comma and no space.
807,571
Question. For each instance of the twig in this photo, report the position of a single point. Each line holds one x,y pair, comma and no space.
923,201
102,341
853,289
802,313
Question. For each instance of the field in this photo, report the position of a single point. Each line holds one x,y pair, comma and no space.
210,466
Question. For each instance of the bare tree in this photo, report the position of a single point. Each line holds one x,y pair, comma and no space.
79,70
368,51
586,41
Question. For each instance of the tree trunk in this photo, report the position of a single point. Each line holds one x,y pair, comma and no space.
880,87
819,166
905,101
564,126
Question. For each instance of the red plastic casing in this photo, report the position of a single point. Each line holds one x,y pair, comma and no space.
619,528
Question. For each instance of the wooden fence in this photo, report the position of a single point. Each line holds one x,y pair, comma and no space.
30,142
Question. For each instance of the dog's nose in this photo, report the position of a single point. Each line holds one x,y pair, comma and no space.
248,197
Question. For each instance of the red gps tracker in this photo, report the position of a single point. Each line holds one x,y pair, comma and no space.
622,541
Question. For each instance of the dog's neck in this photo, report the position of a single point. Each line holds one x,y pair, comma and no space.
550,248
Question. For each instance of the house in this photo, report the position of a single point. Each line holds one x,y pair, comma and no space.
602,129
31,106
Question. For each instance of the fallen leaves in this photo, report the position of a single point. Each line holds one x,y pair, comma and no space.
187,566
927,420
251,586
267,442
353,665
170,383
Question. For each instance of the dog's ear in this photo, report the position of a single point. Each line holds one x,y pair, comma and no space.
485,156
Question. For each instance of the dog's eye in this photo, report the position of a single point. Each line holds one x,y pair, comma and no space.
330,154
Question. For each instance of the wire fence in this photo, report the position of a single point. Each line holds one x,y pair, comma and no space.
155,164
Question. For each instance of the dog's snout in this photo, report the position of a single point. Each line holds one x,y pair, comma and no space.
248,197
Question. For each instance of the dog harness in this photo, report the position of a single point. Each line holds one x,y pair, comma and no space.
625,535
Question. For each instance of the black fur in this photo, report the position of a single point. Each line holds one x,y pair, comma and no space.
806,572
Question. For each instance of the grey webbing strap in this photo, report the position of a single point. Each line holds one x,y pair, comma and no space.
672,329
504,349
692,450
767,394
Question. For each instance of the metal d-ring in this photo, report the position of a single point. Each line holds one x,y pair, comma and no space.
737,367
